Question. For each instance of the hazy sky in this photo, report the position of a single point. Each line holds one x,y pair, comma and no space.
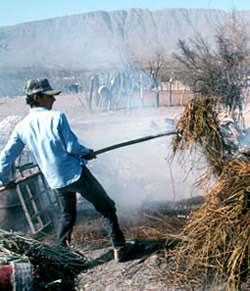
19,11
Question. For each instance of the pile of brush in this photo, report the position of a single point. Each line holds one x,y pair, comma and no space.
215,246
54,268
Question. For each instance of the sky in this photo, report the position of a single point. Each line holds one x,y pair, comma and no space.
19,11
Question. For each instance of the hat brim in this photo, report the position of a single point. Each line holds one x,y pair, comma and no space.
52,92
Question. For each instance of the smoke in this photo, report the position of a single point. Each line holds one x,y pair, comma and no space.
141,173
137,174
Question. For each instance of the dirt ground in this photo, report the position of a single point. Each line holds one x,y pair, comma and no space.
133,177
140,273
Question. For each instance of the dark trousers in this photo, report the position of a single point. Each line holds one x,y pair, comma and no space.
88,186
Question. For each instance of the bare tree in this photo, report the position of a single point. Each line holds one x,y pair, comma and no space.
221,72
154,67
156,63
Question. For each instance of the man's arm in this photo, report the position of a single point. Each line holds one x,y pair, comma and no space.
10,152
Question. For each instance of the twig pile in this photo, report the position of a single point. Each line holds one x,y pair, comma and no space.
54,268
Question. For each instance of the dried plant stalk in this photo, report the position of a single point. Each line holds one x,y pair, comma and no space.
217,235
199,127
50,263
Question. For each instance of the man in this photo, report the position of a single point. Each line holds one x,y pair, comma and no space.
62,160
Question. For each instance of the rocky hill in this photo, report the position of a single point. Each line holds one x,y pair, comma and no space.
100,39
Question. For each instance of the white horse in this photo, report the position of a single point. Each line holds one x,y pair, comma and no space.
105,95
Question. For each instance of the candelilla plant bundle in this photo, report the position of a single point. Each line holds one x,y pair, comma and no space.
199,131
215,245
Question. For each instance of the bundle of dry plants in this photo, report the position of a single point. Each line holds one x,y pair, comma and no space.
200,130
216,237
215,246
54,268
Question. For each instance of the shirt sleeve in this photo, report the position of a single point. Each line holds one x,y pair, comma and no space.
10,152
70,140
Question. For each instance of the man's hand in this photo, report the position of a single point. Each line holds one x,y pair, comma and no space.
10,185
90,156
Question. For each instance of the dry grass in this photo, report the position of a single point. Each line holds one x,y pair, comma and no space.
155,227
200,132
143,225
216,238
217,235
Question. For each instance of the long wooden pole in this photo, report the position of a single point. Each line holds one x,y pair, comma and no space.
107,149
133,141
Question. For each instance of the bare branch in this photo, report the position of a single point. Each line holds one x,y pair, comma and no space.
223,72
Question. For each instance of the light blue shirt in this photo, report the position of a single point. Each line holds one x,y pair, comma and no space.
55,147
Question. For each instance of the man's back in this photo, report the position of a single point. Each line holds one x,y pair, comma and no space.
53,144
